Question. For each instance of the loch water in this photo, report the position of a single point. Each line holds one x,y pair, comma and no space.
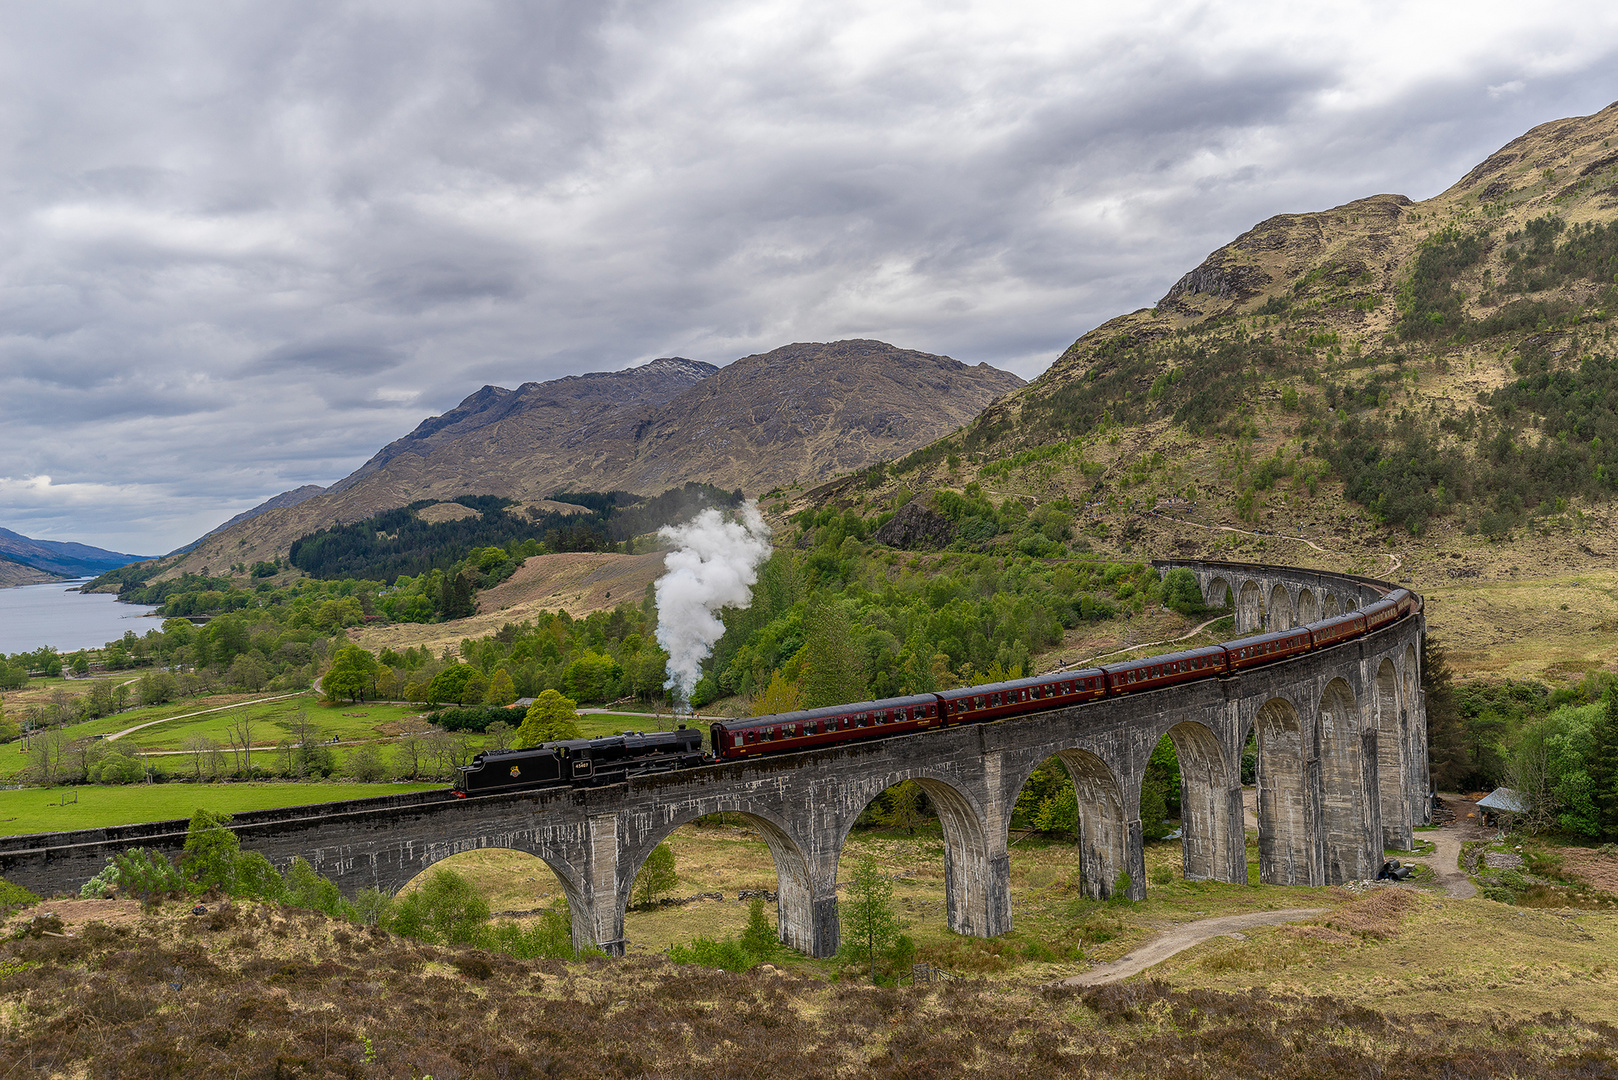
35,615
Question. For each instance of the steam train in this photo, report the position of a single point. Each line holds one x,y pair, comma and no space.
612,758
608,759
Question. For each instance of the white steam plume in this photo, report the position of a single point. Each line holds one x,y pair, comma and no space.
715,567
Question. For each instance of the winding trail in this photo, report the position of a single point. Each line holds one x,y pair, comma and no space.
1181,938
203,712
1394,562
1131,648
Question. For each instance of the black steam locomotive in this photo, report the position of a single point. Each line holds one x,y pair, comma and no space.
608,759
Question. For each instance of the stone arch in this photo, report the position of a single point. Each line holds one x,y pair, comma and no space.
1329,606
1205,805
578,901
1217,593
1285,840
1103,832
1347,803
795,912
1249,607
1392,728
1308,608
974,904
1280,609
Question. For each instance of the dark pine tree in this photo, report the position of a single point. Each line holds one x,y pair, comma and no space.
1449,758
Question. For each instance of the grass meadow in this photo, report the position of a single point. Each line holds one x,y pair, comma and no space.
90,806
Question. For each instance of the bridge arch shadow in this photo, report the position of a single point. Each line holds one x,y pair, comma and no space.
1102,828
1280,608
1206,819
1285,841
1392,727
1249,607
1413,722
1344,793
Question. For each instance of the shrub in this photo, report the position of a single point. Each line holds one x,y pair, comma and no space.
1181,592
15,895
102,885
257,878
371,906
307,889
550,938
148,875
445,911
760,939
710,953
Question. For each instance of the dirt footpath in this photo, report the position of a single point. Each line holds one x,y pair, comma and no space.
1445,860
1182,938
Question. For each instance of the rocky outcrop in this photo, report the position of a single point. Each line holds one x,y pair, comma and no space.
916,527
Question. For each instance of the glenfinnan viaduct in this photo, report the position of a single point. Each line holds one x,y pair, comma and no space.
1342,773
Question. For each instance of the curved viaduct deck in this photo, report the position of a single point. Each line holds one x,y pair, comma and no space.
1342,773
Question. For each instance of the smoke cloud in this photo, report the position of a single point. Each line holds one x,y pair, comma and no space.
715,567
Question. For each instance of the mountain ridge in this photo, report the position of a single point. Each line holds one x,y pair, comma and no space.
796,414
65,558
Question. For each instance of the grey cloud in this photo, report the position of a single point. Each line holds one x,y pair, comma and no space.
332,358
243,246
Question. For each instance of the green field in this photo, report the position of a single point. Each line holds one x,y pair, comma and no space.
272,721
43,810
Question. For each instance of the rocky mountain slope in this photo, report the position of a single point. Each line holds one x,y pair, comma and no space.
1425,390
15,573
796,415
286,498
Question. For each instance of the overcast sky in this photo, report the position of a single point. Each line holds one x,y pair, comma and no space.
242,246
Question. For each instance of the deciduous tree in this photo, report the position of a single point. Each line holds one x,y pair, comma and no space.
657,877
782,695
551,717
502,691
352,673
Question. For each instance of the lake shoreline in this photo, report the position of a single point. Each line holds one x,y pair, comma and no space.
56,614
